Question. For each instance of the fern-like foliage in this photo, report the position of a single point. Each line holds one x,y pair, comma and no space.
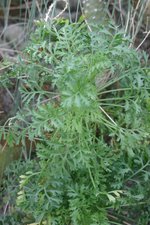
83,100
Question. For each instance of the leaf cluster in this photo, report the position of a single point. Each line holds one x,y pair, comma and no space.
83,99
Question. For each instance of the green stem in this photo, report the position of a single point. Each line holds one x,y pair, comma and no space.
137,171
91,178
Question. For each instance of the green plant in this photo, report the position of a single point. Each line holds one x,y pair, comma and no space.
10,214
84,100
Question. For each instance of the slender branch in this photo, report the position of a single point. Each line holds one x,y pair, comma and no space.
146,36
107,115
